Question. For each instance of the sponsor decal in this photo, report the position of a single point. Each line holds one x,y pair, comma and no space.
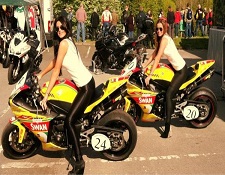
145,100
41,126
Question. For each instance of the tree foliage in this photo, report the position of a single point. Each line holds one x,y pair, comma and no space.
118,5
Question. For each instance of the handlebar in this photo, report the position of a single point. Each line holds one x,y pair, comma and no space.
141,37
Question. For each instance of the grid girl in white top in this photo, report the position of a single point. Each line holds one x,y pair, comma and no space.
67,56
165,47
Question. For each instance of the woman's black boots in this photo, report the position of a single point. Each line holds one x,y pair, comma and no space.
78,168
166,132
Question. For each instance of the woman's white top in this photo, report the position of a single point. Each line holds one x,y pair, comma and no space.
173,55
73,64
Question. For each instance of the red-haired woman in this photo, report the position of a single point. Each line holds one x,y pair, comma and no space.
164,46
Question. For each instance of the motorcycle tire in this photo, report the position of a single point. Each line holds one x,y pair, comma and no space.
98,65
121,149
206,117
12,79
6,61
15,150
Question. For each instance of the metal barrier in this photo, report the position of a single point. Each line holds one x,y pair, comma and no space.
216,50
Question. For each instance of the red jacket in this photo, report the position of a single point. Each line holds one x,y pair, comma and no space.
177,17
210,18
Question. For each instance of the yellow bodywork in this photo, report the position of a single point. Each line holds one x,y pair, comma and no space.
63,92
162,72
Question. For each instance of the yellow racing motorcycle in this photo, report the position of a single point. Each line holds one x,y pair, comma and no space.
194,103
105,127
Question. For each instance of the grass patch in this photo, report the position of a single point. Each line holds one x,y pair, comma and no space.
192,43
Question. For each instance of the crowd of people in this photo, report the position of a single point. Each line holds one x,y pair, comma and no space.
181,21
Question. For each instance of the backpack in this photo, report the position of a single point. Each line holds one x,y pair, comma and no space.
189,14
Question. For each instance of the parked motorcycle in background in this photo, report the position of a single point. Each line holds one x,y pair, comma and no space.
22,50
114,51
5,38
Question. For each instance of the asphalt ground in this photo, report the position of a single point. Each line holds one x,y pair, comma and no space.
188,151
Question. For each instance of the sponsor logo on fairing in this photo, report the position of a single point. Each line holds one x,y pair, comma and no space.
145,100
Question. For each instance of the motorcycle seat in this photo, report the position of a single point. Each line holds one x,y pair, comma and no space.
190,73
98,93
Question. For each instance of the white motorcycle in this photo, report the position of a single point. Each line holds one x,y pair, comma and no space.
23,50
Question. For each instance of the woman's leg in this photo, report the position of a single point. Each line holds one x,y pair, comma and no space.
178,79
77,109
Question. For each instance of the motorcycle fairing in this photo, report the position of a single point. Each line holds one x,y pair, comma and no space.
200,68
163,74
110,86
64,92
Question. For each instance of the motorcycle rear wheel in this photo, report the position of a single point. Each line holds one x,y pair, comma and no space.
206,117
16,150
122,145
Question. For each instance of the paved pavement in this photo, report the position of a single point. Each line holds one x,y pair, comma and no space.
188,151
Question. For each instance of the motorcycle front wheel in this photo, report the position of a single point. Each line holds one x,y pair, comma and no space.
97,64
14,72
123,143
207,107
6,59
15,150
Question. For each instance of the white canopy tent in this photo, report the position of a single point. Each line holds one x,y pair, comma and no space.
26,3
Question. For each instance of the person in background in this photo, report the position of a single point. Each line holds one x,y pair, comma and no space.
165,46
177,21
66,55
188,18
64,12
70,16
205,22
106,20
94,23
130,24
149,30
170,20
124,17
140,19
81,17
199,16
115,18
210,19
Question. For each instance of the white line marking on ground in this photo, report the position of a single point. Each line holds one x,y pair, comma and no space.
88,51
4,111
26,165
1,149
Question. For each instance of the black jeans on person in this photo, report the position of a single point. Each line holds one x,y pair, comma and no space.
94,33
178,79
81,101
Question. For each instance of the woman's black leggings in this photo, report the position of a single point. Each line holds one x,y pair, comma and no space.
80,103
178,79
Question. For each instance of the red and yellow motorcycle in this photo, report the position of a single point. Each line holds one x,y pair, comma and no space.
197,105
104,127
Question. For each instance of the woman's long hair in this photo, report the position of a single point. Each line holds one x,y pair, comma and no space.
67,27
159,38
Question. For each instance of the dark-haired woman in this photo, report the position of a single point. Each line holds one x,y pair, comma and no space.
165,47
67,56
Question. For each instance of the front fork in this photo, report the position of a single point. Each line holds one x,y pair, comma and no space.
127,104
22,129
